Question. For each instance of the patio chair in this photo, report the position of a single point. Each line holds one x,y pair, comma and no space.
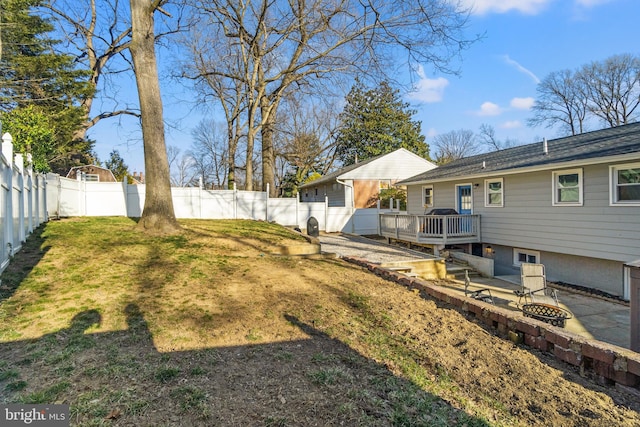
478,294
534,285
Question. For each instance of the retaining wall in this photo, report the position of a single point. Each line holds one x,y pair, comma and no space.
612,365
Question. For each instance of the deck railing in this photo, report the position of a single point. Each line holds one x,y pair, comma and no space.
434,229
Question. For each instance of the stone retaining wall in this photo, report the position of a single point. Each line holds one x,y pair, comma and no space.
612,365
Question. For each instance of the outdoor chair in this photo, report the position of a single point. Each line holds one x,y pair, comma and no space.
534,285
478,294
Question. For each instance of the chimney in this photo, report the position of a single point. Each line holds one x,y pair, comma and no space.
545,147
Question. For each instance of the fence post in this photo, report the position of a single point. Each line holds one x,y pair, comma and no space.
7,152
200,187
298,210
326,214
235,201
379,218
19,164
29,194
266,204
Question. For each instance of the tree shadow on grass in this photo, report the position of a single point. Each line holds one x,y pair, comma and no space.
119,377
31,252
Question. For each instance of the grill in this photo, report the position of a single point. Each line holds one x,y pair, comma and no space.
442,211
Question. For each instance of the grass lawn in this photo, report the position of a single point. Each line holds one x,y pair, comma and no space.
210,327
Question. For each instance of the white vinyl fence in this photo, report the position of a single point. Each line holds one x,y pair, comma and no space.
75,197
23,202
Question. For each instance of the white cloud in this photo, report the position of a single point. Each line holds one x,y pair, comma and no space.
431,133
489,109
522,103
520,68
428,90
529,7
513,124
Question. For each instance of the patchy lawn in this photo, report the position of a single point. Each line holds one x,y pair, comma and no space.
210,328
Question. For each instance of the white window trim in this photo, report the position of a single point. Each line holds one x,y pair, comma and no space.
486,193
517,251
92,176
613,182
554,182
426,205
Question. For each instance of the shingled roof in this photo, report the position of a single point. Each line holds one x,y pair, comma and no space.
605,143
336,174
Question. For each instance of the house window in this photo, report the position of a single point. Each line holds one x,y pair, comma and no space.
493,193
625,184
524,255
427,196
91,177
567,188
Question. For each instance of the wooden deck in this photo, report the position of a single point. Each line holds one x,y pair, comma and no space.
431,229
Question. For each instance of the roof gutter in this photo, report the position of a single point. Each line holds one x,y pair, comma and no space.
547,166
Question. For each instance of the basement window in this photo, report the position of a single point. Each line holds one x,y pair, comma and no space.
525,255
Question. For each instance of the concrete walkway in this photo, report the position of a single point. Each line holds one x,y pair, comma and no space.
593,317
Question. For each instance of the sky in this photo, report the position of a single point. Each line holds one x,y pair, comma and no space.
523,41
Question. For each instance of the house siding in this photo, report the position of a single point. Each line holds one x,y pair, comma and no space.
336,195
583,245
529,220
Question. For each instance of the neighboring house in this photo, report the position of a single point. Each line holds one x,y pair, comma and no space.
92,173
572,204
358,185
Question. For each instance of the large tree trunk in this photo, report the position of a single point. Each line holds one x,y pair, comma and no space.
158,215
268,113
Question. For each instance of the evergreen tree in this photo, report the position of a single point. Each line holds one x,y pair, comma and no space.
376,121
117,166
36,80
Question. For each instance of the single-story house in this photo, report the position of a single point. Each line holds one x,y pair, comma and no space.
358,185
92,173
572,204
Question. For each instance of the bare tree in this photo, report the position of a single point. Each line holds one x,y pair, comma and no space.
562,99
287,45
607,90
209,153
487,136
98,33
613,88
81,23
306,140
158,215
181,168
455,145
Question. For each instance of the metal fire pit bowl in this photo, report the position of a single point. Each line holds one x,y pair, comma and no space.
556,316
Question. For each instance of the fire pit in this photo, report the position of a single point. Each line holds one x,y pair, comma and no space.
557,316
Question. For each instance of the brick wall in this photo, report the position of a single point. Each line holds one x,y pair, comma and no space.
611,364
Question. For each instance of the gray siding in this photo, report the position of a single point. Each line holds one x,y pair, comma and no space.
596,273
528,219
334,192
